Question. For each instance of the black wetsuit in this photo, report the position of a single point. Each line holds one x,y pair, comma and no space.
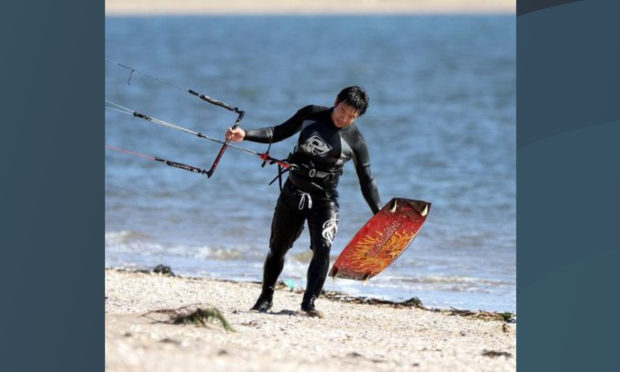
310,192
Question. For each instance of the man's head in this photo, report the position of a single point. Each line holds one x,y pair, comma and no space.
350,104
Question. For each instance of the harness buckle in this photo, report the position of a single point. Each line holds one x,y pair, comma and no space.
312,173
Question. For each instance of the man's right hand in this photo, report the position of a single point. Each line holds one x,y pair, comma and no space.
235,135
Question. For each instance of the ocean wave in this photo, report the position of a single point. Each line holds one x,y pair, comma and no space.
304,256
142,245
439,279
216,253
123,236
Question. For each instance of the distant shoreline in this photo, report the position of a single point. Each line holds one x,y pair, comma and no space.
307,7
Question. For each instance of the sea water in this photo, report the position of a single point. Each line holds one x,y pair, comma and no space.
440,126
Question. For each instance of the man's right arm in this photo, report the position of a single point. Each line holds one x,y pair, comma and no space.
276,133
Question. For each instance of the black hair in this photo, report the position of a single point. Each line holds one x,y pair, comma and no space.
355,97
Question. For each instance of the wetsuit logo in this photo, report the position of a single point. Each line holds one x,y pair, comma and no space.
315,145
330,227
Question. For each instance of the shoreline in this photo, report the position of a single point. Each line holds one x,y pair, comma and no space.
354,335
332,294
306,7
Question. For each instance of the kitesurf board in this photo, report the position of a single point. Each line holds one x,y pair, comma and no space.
381,240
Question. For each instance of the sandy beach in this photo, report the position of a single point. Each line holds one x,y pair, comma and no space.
162,7
352,336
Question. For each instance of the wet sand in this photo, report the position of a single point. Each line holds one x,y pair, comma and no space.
351,336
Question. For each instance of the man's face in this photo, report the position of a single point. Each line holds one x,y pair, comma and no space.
344,115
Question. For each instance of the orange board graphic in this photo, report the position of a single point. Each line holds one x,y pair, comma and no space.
381,240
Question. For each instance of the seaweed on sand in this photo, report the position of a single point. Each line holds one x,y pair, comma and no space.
193,314
337,296
163,270
494,353
507,317
202,317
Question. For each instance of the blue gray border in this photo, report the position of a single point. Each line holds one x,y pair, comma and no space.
52,188
51,220
568,183
527,6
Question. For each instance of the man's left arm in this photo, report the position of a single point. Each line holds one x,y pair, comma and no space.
361,160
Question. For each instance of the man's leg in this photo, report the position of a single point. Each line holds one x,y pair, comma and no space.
323,225
286,227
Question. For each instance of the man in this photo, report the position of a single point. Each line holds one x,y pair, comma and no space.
328,138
